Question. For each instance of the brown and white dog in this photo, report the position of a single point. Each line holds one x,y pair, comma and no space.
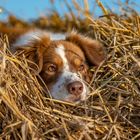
62,59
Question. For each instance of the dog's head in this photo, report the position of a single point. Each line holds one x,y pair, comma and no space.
63,64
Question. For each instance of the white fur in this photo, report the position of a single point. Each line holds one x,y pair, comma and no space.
61,52
29,37
59,90
37,35
57,36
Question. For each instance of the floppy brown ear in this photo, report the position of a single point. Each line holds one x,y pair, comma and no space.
93,49
34,52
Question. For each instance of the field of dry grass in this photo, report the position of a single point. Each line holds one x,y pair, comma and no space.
111,111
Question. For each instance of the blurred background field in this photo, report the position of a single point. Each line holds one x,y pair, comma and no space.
62,15
29,10
112,111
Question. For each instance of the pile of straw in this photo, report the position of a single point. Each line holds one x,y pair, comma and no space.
111,111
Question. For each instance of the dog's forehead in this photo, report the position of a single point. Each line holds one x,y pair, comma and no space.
60,50
69,50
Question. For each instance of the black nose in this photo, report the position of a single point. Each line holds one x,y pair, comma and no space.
75,88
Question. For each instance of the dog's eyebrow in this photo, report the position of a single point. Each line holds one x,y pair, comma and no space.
67,50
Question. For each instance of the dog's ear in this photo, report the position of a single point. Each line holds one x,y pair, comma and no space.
93,49
34,52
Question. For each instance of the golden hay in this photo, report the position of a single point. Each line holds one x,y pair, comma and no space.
112,111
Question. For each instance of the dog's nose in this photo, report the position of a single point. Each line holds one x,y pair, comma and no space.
75,88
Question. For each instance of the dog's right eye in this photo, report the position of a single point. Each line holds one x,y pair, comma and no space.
51,68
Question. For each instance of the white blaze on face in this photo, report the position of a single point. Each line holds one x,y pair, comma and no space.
59,89
61,52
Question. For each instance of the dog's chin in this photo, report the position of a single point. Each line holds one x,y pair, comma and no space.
74,99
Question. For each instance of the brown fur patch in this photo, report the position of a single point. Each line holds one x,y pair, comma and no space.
93,49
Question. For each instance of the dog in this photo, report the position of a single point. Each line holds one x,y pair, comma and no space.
63,59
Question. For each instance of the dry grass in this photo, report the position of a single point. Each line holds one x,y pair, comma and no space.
111,112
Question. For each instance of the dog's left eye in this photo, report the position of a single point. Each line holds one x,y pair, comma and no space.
51,68
81,67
